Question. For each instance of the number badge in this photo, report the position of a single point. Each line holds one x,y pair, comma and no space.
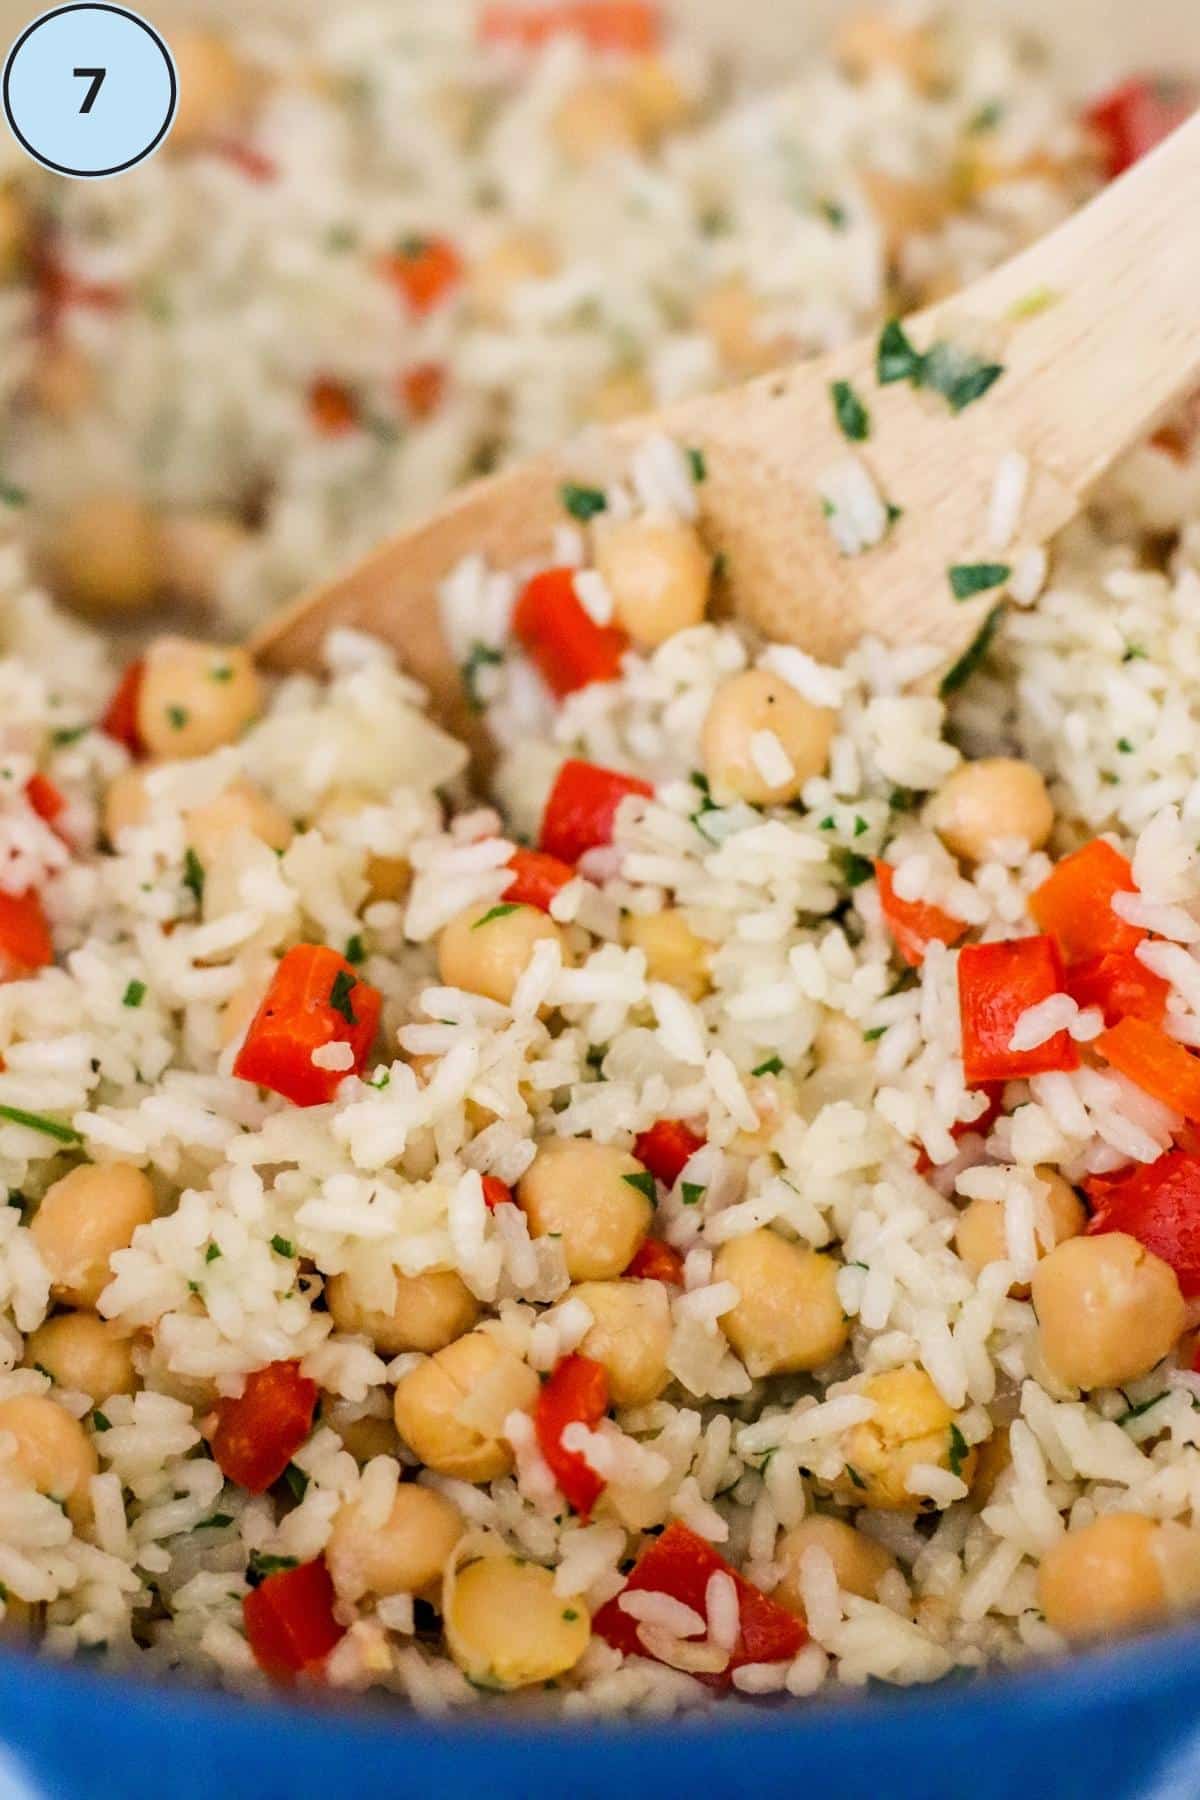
89,89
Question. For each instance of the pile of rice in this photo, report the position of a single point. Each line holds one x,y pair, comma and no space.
827,1087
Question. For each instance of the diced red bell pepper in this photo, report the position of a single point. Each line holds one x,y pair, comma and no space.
257,1434
1120,985
582,808
680,1564
996,984
331,407
422,388
575,1394
1157,1203
656,1261
1154,1062
914,924
496,1193
666,1147
248,161
25,943
1074,903
562,640
536,878
315,998
631,26
979,1127
44,797
120,720
1132,119
289,1620
57,289
425,270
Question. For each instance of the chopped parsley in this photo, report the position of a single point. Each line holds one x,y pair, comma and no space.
959,673
876,1032
987,118
1124,746
570,1615
221,672
860,825
354,950
134,994
482,656
283,1246
1037,300
217,1522
596,1054
296,1482
958,1452
16,1115
1134,653
177,717
772,1066
497,912
692,1192
697,464
344,985
381,1080
895,358
1143,1406
261,1565
833,214
855,1477
854,421
99,1422
855,869
643,1181
212,1253
969,579
67,734
11,495
583,503
957,375
193,874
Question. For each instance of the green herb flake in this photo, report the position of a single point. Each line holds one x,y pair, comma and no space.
212,1253
193,1287
960,377
497,912
854,421
692,1192
11,495
260,1565
67,734
1143,1406
177,717
343,987
1037,300
969,579
99,1422
854,869
959,673
221,672
855,1477
833,214
380,1081
583,503
1134,653
283,1246
355,953
772,1066
481,656
193,875
596,1054
296,1482
894,513
987,118
570,1615
643,1181
860,825
1124,746
895,358
134,994
875,1033
958,1452
217,1522
697,464
16,1115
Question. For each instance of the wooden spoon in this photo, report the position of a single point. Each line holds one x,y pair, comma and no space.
1098,330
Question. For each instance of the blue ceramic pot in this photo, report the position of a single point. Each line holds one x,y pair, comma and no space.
1120,1725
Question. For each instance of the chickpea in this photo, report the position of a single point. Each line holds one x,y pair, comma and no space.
500,274
83,1219
212,88
105,555
450,1411
486,949
243,809
673,952
79,1351
429,1311
594,1198
195,697
744,709
506,1627
911,1425
126,803
1107,1310
195,550
622,395
731,315
54,1454
904,207
658,573
980,1239
788,1316
985,802
62,381
14,230
387,877
870,42
599,118
660,103
405,1555
629,1337
859,1563
368,1437
1104,1579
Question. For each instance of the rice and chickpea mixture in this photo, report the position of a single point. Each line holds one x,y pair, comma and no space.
725,1216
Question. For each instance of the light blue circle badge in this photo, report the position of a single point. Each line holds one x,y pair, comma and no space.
89,90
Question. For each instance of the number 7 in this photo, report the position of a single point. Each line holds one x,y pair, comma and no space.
97,82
